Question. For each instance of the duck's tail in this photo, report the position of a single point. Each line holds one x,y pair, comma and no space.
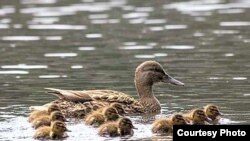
69,95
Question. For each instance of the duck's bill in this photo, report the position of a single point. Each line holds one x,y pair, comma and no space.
172,81
67,130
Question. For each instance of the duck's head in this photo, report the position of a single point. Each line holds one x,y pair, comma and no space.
199,116
52,108
162,126
57,115
125,123
95,119
150,72
59,127
110,114
178,119
118,107
212,111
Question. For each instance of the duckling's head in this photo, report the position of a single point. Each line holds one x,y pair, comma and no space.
212,111
125,123
178,119
58,127
95,119
110,114
199,116
57,115
162,126
118,107
52,108
150,72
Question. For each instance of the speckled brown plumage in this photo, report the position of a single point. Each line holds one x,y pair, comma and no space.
146,75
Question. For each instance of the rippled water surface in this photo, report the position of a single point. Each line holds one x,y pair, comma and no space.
88,44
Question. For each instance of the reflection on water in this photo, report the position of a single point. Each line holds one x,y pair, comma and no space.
97,45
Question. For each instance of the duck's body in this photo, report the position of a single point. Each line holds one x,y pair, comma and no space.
41,113
146,75
196,117
122,127
212,111
46,120
55,131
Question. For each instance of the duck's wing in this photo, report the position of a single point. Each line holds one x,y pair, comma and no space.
92,95
69,95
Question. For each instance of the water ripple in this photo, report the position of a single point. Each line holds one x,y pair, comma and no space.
14,72
135,47
86,48
94,35
235,23
178,47
60,55
58,27
20,38
24,66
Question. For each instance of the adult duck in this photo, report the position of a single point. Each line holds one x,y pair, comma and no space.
146,75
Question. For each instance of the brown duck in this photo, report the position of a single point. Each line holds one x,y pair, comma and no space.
212,111
146,75
46,120
55,131
196,117
122,127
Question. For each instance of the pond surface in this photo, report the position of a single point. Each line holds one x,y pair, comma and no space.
88,44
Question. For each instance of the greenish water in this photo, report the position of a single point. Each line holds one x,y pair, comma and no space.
87,44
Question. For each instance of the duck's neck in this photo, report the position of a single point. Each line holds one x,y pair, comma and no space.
146,97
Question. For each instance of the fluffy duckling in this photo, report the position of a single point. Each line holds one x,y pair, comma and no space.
110,114
115,105
46,120
95,119
39,113
162,126
196,117
212,112
178,119
55,131
122,127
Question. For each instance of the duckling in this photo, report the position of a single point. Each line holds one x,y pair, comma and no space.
117,106
121,127
39,113
125,126
55,131
162,126
178,119
196,117
46,120
212,112
110,114
95,118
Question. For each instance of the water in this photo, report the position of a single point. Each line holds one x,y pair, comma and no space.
89,44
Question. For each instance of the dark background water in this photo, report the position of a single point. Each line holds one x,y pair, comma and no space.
88,44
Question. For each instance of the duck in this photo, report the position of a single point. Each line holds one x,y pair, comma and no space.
177,119
162,126
45,112
119,108
212,111
122,127
165,125
147,74
55,131
46,120
196,117
97,118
